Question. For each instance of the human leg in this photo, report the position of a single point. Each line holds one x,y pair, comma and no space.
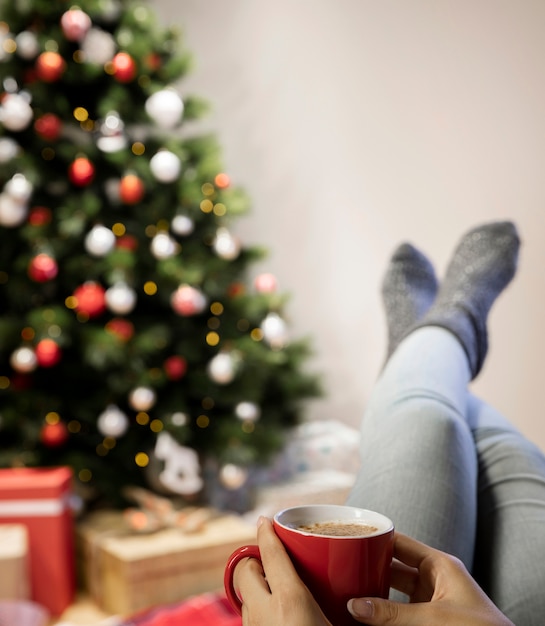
510,546
419,461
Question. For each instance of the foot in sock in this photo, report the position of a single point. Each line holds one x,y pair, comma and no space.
482,266
409,287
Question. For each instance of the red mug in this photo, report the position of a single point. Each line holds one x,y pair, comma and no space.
335,568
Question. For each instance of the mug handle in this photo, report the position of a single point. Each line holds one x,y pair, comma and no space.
244,552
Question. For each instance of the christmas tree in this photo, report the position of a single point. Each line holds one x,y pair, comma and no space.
134,346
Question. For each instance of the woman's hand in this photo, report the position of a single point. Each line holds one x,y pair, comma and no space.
440,589
274,595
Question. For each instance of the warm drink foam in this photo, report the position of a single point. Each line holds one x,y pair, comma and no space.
338,529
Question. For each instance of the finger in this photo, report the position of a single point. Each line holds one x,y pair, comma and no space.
278,567
250,583
410,551
403,578
377,612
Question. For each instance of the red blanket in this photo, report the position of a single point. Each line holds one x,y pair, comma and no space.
209,609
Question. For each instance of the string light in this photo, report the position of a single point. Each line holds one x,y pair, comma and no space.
212,338
52,418
208,189
4,382
206,206
216,308
257,334
141,459
243,325
207,403
81,114
142,418
156,426
150,288
85,475
203,421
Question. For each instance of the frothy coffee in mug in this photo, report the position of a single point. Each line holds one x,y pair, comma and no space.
339,529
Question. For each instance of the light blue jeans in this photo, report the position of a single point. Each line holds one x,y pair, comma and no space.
450,471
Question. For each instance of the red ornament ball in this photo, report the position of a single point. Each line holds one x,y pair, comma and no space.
175,367
222,180
153,61
48,126
123,67
265,283
81,172
39,216
50,66
236,289
42,268
187,301
131,189
121,328
48,353
90,299
127,242
54,435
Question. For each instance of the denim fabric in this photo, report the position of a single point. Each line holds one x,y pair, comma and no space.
450,471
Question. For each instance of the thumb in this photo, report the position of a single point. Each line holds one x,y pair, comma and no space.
375,612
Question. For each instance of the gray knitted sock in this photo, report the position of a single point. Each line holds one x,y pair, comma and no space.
482,266
409,287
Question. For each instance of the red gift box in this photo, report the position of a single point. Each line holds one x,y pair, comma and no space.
38,498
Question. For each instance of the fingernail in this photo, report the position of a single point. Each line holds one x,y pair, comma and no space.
260,520
360,608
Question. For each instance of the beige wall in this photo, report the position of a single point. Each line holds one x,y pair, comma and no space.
357,124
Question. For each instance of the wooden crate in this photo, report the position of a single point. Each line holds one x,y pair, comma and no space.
126,572
14,566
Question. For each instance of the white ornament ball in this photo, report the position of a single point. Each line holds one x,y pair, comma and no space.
99,241
163,246
247,411
112,133
112,422
165,108
75,24
98,46
12,213
111,189
23,360
221,368
179,419
165,166
120,298
142,398
275,330
225,245
233,476
15,112
182,225
9,149
27,45
19,188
